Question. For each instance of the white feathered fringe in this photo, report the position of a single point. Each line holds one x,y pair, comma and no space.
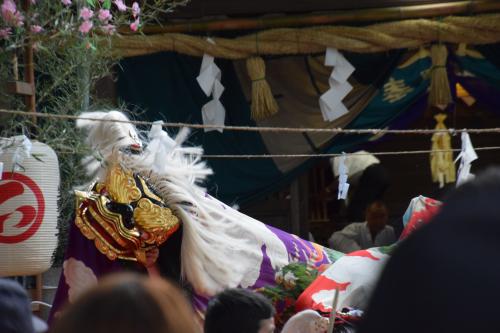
221,248
106,137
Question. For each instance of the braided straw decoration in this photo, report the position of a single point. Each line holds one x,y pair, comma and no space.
263,102
439,94
481,29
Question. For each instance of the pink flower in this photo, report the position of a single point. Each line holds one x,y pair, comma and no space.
33,2
10,13
135,25
8,8
120,5
104,15
66,2
36,29
108,29
18,19
86,13
136,10
85,27
5,32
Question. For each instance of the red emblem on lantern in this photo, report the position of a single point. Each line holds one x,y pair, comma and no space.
16,185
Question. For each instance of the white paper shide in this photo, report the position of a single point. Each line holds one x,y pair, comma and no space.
466,156
331,101
213,112
343,184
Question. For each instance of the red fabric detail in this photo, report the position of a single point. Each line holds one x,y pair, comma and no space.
422,217
323,268
305,300
362,253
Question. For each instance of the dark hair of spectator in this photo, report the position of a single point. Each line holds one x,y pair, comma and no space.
445,276
129,303
237,310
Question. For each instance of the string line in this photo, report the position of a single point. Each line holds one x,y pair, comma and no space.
384,153
404,152
372,131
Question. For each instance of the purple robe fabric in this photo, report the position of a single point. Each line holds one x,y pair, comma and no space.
82,249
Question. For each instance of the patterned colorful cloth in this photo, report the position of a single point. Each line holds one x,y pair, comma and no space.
356,273
84,265
419,212
293,287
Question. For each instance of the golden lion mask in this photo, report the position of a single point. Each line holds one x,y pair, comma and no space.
123,216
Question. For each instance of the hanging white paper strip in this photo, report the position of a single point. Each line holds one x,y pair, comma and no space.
330,102
466,156
209,73
21,147
213,112
343,184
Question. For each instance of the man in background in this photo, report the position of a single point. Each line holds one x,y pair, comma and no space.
373,232
368,181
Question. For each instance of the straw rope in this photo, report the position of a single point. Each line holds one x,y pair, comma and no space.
65,150
371,131
481,29
263,102
439,93
382,153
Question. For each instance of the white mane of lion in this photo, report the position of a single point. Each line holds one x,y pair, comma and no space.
221,248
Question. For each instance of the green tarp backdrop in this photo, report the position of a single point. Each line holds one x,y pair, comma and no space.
163,87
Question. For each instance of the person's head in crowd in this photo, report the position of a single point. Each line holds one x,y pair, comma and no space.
129,303
445,276
15,310
376,216
239,310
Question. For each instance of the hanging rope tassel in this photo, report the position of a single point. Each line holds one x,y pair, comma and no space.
442,166
440,94
263,102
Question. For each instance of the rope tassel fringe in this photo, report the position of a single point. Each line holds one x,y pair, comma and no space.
263,103
440,94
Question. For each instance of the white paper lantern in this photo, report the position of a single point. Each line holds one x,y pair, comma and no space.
29,190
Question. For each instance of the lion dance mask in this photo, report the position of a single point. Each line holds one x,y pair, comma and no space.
123,216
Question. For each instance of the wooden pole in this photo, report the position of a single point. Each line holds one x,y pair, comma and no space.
29,69
345,16
30,101
333,314
299,208
295,206
38,291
